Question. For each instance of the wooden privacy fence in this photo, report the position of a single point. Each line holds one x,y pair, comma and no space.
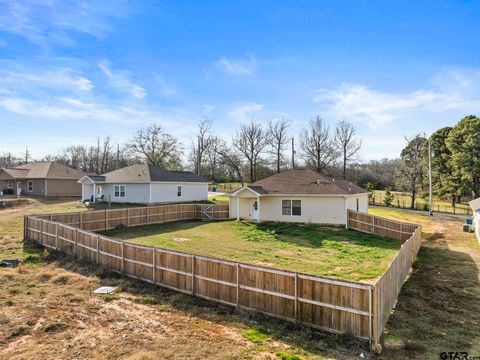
333,305
387,287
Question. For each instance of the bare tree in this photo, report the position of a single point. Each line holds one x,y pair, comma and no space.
200,145
8,160
316,144
212,156
278,140
230,160
411,172
250,141
156,147
346,143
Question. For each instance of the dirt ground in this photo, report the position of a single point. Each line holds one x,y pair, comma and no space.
47,309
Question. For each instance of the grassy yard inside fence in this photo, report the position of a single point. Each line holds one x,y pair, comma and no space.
310,249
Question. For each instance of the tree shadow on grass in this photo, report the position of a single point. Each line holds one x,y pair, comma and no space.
438,308
302,339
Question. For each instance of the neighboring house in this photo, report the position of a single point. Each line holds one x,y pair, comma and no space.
42,179
144,184
299,195
475,205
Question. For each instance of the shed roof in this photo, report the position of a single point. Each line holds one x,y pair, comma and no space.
304,182
475,204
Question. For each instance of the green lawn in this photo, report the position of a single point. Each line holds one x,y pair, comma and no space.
310,249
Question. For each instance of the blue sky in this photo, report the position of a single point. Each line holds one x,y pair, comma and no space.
74,71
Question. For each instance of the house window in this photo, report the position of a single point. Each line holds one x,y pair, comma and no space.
30,186
292,207
10,184
119,191
179,190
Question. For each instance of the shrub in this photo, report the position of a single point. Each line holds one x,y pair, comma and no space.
388,198
21,330
54,326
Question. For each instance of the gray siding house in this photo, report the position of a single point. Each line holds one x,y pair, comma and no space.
144,184
48,179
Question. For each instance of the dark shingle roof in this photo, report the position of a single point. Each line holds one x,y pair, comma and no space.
304,181
142,173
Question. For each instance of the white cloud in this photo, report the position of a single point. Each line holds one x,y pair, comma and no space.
120,80
165,87
246,66
455,91
208,108
44,23
63,78
245,111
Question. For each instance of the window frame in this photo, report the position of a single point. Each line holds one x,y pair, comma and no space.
30,186
179,190
291,207
119,191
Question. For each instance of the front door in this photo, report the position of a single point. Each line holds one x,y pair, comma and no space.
254,210
99,192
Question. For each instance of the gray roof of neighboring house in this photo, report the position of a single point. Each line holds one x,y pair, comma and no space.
475,204
143,173
304,182
44,170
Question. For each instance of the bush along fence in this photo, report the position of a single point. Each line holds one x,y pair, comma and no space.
338,306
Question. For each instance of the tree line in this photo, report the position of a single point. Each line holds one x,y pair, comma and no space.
257,150
455,161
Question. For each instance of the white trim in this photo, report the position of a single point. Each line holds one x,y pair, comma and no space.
120,191
238,209
245,188
291,207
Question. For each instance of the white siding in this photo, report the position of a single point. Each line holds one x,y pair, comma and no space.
87,191
476,223
134,193
362,202
167,192
315,209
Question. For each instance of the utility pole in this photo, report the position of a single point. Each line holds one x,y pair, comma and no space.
293,152
118,157
430,177
27,155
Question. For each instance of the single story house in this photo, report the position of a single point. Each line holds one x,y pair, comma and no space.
144,184
46,178
475,205
299,195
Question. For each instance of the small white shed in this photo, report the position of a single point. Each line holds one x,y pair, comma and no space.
475,205
144,184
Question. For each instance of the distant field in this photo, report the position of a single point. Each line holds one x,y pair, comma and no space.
310,249
403,200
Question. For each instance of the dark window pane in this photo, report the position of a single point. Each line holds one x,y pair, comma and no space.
296,207
286,207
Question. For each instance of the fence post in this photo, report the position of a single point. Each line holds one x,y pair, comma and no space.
106,219
41,231
296,296
98,250
154,263
193,274
123,257
148,215
373,224
238,284
128,217
56,236
75,244
370,322
25,227
81,220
